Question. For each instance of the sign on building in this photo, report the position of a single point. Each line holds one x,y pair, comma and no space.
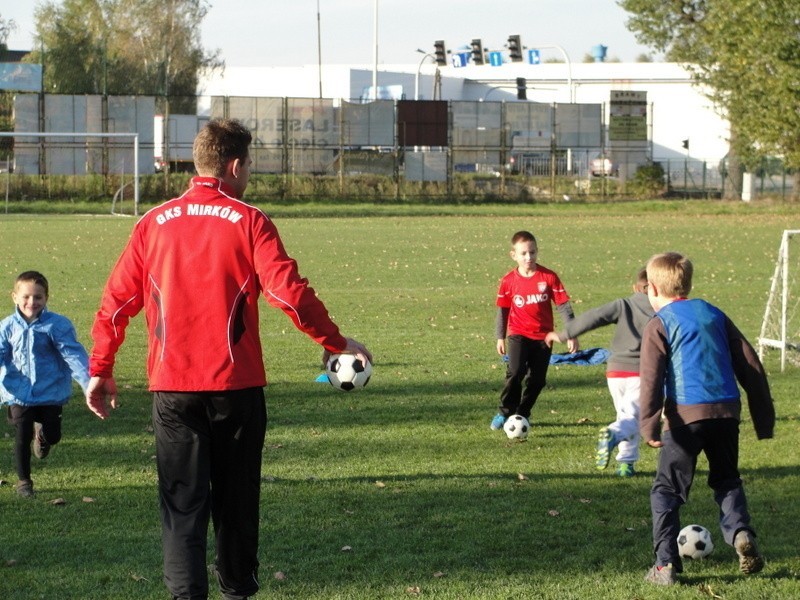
627,116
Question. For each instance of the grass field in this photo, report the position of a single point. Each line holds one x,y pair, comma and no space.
401,490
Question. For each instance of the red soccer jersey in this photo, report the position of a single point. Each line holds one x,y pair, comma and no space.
530,301
197,265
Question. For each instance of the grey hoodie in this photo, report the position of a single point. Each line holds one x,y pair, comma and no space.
630,314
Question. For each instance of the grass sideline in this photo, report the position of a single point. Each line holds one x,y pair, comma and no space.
401,490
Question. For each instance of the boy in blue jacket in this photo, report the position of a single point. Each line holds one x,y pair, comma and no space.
39,356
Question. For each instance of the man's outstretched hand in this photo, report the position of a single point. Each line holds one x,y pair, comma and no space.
99,393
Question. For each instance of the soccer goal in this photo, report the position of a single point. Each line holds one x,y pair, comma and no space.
780,328
72,156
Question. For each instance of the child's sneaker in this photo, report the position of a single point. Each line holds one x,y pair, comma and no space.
625,470
497,422
750,559
40,446
605,444
25,488
661,575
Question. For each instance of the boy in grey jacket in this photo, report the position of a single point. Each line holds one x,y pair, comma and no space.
630,314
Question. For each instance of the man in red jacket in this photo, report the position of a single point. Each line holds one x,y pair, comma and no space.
197,265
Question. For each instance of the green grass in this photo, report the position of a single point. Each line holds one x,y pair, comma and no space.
406,473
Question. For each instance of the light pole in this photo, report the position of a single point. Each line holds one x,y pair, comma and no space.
569,68
319,50
419,68
375,55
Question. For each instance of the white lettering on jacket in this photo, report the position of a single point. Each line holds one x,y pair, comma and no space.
200,210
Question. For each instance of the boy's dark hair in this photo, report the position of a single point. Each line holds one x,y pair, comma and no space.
217,143
522,236
641,280
36,278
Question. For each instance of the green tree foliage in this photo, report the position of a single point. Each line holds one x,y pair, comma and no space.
122,46
747,53
6,98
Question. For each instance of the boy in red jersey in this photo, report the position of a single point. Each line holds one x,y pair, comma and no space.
524,318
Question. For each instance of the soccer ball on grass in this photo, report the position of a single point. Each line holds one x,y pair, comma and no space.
516,427
347,373
694,541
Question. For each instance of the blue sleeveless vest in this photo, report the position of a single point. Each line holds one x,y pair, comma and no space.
699,367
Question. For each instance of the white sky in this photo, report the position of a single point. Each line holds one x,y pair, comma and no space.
284,32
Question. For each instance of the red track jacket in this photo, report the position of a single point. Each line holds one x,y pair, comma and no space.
197,265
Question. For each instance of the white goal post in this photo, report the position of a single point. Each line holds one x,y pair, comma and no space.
780,328
85,134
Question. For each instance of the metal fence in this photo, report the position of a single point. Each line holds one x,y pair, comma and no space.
381,150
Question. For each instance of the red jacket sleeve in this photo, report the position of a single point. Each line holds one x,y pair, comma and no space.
123,298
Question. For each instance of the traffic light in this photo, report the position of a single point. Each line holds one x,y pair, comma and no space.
477,52
440,53
522,88
685,144
515,48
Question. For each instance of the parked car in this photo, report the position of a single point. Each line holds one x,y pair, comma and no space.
603,166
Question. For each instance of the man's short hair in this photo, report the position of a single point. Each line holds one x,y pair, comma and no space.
35,277
672,273
217,143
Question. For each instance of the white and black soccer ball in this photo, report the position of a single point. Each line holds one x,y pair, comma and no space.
516,427
347,373
694,541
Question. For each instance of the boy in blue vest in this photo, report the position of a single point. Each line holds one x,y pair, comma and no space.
692,357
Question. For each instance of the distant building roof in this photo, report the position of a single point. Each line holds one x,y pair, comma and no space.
12,56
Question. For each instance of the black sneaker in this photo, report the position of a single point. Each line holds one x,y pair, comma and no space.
40,446
25,488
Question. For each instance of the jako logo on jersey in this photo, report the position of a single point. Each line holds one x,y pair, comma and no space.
520,301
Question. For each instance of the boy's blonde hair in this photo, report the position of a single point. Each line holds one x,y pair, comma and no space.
671,272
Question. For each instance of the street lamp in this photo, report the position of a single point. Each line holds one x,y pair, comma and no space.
569,68
419,68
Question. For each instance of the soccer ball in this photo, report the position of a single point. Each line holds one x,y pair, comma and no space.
516,427
694,541
347,373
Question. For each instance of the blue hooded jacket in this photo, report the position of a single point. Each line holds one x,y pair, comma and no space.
38,360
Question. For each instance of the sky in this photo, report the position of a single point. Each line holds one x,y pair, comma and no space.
285,32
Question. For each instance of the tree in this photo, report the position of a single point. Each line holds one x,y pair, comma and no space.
123,46
6,98
6,27
747,54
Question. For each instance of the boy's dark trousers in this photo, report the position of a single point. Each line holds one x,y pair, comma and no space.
526,374
23,418
677,461
208,451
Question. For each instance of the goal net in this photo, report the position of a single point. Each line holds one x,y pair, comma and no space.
76,153
780,328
